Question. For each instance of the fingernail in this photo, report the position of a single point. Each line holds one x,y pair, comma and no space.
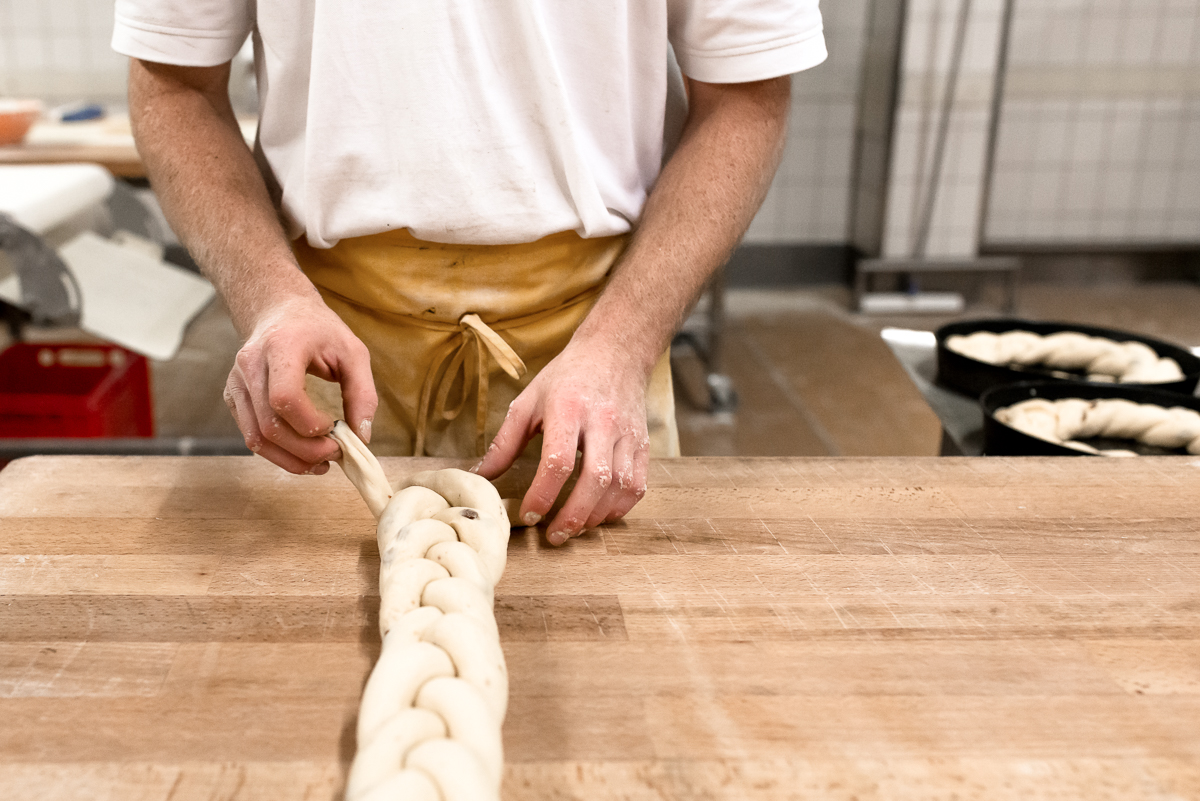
364,430
532,518
557,537
476,466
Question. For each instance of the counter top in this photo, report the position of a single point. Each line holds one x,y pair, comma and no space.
755,629
107,142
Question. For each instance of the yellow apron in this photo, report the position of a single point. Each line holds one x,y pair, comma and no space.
453,328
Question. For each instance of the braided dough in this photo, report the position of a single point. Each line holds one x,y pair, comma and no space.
1102,359
430,718
1064,421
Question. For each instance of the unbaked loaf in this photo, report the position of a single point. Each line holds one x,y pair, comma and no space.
1068,420
1099,358
431,712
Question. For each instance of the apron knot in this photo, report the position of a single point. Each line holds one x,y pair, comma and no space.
450,361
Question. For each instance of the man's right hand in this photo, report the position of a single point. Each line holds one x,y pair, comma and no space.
216,199
265,391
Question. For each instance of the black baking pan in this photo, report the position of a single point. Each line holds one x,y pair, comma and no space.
974,377
1003,440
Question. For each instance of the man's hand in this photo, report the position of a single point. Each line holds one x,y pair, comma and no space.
590,400
265,391
217,201
592,397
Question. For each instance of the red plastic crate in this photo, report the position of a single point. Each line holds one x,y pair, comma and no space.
73,390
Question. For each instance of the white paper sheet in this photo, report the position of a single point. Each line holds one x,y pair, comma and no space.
129,296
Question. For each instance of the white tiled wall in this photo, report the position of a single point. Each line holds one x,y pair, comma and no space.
810,198
929,33
58,50
1099,140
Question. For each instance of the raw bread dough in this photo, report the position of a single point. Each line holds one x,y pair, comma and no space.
1101,359
1069,419
431,712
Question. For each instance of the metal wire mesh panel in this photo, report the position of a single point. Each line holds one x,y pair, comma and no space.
1099,140
940,133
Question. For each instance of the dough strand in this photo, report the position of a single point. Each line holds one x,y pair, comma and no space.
431,712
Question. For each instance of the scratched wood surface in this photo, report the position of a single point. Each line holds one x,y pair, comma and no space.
756,629
121,160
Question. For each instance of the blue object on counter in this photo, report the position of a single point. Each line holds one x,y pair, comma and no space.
82,113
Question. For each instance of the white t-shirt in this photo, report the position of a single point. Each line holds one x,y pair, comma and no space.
470,121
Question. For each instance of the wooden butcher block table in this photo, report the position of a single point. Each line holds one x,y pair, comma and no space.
201,628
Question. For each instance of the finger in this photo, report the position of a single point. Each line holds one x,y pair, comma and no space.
510,441
359,399
272,428
621,486
600,512
631,486
237,398
591,486
289,461
287,398
557,462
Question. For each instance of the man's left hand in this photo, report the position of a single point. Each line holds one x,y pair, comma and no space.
588,400
592,397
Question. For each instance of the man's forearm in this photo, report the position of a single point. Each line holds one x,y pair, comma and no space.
694,217
210,187
216,200
592,397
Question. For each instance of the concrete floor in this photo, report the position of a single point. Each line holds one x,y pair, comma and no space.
811,381
815,379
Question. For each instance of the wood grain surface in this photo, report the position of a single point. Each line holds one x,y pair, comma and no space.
891,628
120,160
107,141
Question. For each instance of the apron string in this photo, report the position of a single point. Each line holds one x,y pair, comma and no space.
471,330
505,356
